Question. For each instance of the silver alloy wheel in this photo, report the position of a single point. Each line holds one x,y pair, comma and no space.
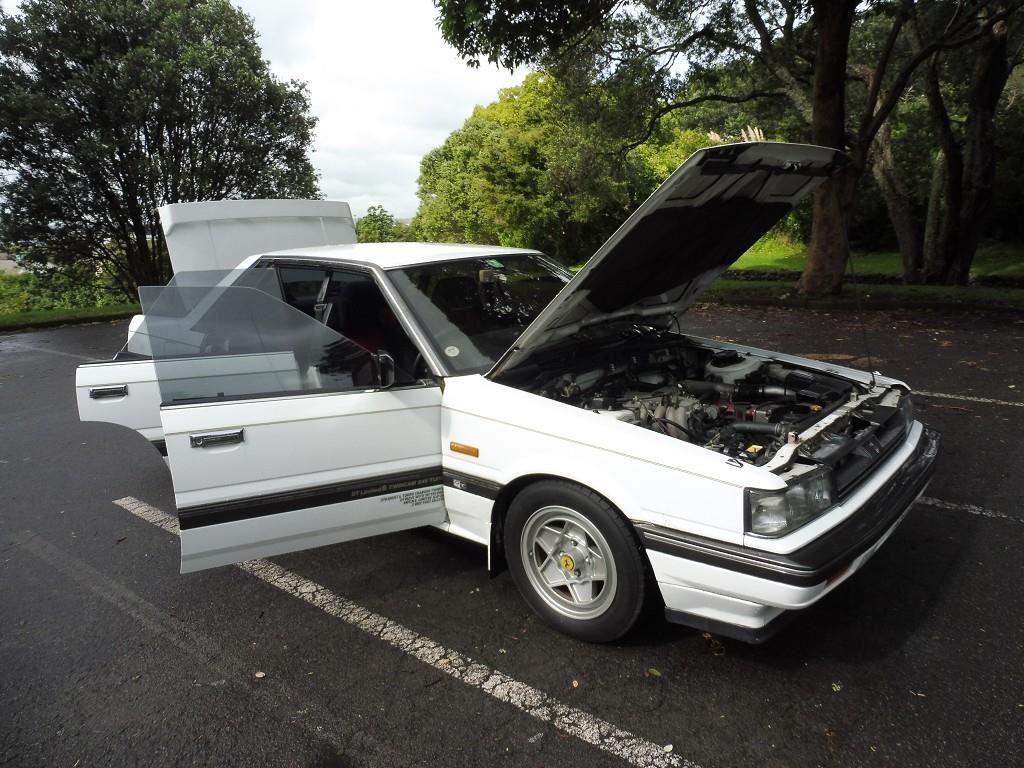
568,562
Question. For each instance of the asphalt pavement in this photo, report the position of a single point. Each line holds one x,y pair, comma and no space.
108,656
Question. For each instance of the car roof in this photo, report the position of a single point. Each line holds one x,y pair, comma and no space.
394,255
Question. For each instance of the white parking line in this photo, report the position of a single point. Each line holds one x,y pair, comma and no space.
968,398
275,696
537,704
971,509
15,346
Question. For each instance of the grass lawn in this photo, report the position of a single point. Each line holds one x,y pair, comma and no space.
776,254
57,316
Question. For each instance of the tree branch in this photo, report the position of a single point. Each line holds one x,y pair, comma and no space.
666,109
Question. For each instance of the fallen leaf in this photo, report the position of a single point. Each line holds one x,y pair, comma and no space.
668,747
837,687
918,693
653,672
575,683
260,675
713,644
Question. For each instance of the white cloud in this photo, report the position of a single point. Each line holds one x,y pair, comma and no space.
383,83
385,86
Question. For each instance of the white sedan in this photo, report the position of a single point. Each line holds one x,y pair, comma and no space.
570,425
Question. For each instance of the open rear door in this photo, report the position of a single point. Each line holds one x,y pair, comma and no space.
121,392
281,434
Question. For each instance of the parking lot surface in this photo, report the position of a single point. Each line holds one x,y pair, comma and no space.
400,650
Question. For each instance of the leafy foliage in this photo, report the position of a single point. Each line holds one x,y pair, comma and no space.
379,226
111,108
533,169
830,71
70,288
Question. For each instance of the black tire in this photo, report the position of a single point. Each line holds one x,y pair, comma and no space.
629,594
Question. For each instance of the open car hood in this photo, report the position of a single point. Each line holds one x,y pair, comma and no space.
220,234
695,225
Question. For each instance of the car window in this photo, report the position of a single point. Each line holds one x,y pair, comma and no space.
301,286
474,309
358,310
236,339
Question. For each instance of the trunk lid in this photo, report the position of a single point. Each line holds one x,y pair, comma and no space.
220,234
690,230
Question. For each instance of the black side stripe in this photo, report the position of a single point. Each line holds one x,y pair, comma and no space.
337,493
470,484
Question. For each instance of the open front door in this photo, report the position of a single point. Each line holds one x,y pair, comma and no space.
282,434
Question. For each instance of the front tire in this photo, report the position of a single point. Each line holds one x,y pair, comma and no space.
575,560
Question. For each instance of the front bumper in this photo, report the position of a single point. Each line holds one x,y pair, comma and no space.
747,593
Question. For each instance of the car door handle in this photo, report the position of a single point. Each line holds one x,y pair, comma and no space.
99,393
212,439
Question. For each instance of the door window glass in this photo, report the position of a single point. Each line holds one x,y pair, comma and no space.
231,337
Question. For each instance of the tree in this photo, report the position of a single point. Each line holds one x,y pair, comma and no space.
379,226
965,176
111,108
935,158
536,169
794,49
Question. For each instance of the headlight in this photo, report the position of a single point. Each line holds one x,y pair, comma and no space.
906,409
773,513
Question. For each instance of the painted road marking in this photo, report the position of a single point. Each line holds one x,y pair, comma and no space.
277,698
535,703
21,346
968,398
972,509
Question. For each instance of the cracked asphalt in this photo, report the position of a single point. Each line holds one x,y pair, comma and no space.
108,656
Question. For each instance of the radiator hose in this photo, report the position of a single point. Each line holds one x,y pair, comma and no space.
742,392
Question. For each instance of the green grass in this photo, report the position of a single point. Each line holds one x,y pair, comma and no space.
57,316
780,255
783,293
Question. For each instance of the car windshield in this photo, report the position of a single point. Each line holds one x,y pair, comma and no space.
474,309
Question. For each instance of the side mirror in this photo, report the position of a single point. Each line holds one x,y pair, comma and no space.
384,369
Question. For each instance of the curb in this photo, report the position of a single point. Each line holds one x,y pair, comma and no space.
867,278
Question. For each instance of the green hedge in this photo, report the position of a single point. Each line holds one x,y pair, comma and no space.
74,288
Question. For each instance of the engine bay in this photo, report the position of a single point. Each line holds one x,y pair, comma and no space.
744,406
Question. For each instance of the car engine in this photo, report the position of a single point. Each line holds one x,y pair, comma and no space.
740,405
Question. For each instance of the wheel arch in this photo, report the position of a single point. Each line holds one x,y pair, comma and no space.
496,562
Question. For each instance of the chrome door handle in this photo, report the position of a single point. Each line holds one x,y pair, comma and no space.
212,439
98,393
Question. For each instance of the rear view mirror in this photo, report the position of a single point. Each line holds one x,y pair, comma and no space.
384,369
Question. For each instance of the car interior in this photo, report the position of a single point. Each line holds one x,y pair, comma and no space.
351,304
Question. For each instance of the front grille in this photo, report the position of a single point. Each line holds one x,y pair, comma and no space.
859,443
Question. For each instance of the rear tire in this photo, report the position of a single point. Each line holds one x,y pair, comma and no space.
575,560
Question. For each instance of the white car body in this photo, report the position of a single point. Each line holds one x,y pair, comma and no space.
257,476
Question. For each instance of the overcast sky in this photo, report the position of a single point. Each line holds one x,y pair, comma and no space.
383,83
385,86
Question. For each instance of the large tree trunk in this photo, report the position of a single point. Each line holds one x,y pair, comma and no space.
936,208
969,163
988,80
830,246
899,204
949,181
